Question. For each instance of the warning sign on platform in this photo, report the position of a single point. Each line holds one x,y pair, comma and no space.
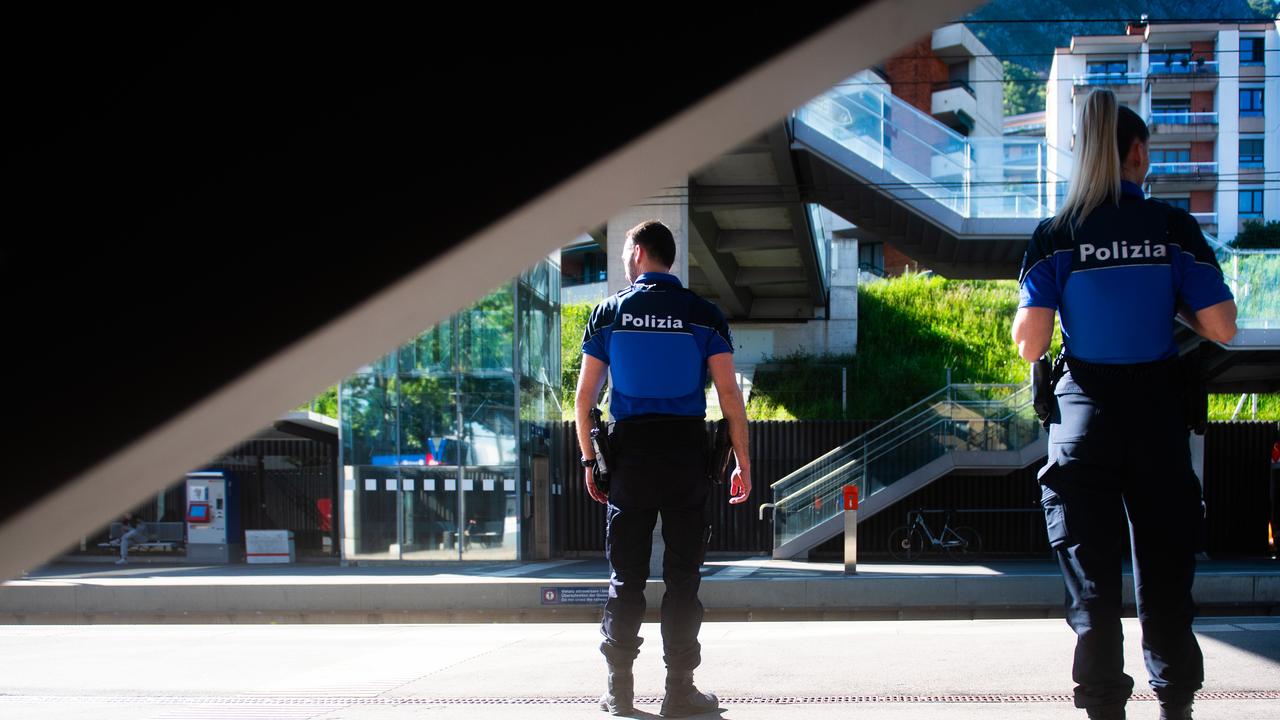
574,595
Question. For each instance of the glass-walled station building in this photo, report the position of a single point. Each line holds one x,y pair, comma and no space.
446,443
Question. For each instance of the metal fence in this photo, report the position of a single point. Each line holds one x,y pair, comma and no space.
1003,508
777,448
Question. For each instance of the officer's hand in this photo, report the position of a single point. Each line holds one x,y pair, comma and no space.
592,490
739,486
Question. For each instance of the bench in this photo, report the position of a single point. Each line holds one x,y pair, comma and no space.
486,532
155,535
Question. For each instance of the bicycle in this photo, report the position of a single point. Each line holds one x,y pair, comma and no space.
912,540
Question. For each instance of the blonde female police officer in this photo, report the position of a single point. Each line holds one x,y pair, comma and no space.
659,342
1117,267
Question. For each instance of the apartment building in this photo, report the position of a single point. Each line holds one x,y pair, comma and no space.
1208,92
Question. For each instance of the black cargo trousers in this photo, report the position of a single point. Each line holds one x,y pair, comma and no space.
659,467
1119,464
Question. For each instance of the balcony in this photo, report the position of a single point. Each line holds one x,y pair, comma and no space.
1189,174
1183,75
1128,84
1182,124
1183,68
1182,117
1207,220
955,105
1107,79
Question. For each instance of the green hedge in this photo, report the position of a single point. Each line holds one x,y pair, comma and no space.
573,322
910,330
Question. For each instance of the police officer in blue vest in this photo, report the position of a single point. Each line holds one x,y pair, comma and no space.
1117,268
658,342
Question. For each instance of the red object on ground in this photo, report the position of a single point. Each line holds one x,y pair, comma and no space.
1275,452
325,507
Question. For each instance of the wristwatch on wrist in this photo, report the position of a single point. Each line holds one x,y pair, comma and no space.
587,462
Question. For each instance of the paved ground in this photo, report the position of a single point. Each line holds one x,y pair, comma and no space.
716,568
571,590
990,669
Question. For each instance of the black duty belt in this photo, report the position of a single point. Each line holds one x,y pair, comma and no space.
656,418
1125,370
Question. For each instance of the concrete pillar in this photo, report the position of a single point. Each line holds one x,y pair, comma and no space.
1271,108
842,315
670,205
1228,134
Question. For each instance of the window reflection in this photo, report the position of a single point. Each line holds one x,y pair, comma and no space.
444,438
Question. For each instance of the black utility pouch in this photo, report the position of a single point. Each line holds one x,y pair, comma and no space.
604,452
718,458
1041,389
1044,376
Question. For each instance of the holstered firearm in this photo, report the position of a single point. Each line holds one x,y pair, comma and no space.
1044,377
600,444
718,459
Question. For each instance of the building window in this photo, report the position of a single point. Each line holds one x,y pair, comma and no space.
1251,153
1171,161
1107,67
1251,50
583,266
871,258
1167,58
1170,155
1183,203
1250,102
441,437
1171,111
1250,203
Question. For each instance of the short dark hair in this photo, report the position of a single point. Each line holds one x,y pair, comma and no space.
1129,128
656,240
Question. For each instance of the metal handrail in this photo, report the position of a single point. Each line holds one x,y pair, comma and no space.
875,448
949,153
858,438
1182,117
838,477
1187,66
1176,168
1125,78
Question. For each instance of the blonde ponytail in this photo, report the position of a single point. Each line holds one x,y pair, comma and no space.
1095,176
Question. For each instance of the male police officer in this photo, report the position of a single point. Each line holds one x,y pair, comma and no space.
658,341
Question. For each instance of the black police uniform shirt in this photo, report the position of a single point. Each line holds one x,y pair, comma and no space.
1118,279
656,336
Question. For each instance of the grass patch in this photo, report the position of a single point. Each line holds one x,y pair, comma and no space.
1222,406
911,329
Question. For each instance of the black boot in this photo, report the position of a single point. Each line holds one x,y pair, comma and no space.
683,699
1172,711
1107,712
618,699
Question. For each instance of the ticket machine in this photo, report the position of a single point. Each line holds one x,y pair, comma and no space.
213,518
